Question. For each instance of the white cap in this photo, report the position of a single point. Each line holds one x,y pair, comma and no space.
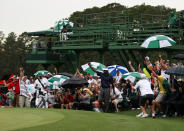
147,57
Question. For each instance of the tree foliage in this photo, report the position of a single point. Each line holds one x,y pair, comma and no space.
13,52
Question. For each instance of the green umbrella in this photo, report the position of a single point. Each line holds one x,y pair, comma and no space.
158,41
56,81
61,23
42,72
97,66
133,76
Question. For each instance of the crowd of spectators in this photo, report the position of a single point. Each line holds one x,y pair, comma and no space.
162,93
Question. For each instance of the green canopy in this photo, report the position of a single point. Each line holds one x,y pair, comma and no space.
49,32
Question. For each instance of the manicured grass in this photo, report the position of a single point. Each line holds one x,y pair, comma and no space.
71,120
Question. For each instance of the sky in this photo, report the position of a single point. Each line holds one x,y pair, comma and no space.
33,15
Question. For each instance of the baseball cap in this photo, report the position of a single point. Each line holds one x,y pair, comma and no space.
147,57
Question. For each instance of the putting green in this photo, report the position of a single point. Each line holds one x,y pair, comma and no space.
74,120
12,118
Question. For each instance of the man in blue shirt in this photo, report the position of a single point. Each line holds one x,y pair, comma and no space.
106,82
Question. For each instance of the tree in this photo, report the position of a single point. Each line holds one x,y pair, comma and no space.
1,37
51,68
13,53
40,67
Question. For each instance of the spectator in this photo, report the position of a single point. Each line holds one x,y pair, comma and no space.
91,83
146,95
162,94
15,86
76,99
70,99
24,93
116,97
84,100
58,101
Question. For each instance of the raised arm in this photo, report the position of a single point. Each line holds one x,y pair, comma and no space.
139,68
162,63
92,68
131,67
21,73
153,72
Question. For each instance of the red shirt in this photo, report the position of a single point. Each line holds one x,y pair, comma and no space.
67,99
15,86
70,98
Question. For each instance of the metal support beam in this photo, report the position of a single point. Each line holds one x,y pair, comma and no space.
115,57
134,57
122,58
122,52
78,58
101,59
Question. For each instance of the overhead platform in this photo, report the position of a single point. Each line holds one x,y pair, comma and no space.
49,32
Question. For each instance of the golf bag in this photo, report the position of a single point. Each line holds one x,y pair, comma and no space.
41,99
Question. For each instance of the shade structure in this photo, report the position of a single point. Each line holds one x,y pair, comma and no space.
48,32
74,82
114,68
177,71
97,66
56,81
133,76
158,41
42,72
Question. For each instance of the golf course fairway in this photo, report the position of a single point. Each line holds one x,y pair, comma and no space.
72,120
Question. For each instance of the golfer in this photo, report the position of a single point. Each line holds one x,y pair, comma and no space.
106,82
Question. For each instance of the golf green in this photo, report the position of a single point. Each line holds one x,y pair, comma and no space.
72,120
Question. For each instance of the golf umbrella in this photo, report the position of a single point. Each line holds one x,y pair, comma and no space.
42,72
177,71
133,76
158,41
66,74
179,56
61,23
112,69
56,81
97,66
74,82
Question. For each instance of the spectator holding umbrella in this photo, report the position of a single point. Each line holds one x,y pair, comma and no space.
106,82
